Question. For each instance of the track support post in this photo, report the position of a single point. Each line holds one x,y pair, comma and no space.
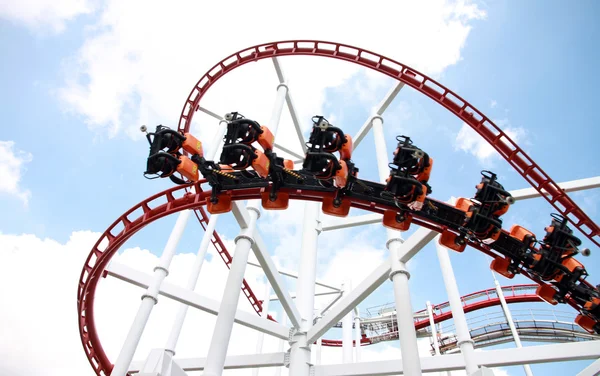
217,351
510,322
150,298
398,274
300,352
460,321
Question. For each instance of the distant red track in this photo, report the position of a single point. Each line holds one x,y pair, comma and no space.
109,242
472,302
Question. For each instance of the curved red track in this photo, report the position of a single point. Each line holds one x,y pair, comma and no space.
124,227
480,123
472,302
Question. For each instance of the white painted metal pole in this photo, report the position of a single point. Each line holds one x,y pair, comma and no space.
150,298
217,351
460,322
264,314
399,274
281,342
300,352
436,345
217,145
347,328
357,335
191,285
510,322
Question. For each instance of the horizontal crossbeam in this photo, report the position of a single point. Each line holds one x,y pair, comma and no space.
193,299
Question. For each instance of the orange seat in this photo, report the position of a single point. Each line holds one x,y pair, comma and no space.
223,206
261,163
390,221
341,175
500,266
188,168
192,145
519,232
586,323
346,150
448,240
266,139
281,202
340,211
546,293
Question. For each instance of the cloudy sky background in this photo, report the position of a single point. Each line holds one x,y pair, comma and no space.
79,77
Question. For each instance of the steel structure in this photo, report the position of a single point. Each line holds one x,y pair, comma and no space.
305,329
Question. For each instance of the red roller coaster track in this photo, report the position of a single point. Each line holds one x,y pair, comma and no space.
165,203
472,302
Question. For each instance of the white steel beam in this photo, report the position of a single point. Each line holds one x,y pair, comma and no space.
510,322
290,105
465,342
568,186
407,250
260,251
274,297
290,152
289,273
362,132
493,358
591,370
209,112
232,362
149,298
193,299
300,348
358,220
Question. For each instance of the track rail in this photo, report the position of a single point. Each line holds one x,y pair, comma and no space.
529,330
168,202
480,123
441,312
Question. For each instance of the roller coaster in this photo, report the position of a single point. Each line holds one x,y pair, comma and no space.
476,221
249,168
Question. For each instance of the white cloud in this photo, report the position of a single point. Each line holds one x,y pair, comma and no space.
136,69
469,141
493,103
45,14
12,168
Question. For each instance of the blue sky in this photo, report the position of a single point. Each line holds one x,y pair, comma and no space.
530,66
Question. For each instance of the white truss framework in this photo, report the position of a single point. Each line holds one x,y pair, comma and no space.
299,307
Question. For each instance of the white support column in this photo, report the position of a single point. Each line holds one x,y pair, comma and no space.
399,274
217,351
191,285
264,314
201,254
510,322
460,321
347,328
300,352
281,342
150,298
436,345
591,370
357,335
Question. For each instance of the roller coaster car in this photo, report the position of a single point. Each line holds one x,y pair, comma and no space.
554,259
589,324
320,161
505,265
409,174
238,152
165,157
